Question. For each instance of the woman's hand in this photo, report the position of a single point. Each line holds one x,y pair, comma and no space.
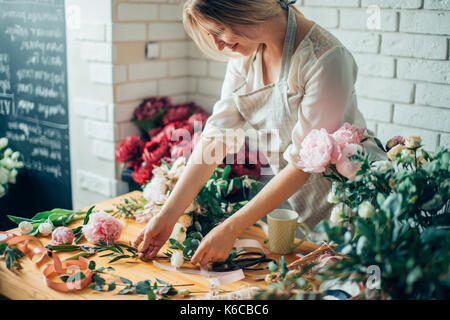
153,236
215,246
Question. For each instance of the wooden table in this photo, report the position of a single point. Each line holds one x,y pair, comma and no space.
27,283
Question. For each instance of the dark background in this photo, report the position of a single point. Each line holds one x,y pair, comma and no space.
33,105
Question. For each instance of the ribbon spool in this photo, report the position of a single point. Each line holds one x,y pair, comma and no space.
69,267
21,242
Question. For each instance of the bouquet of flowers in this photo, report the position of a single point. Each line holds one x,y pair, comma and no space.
211,206
9,164
169,132
390,224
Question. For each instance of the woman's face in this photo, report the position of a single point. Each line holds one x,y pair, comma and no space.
238,39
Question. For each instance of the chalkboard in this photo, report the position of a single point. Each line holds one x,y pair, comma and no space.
34,105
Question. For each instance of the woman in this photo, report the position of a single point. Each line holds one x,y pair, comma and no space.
286,76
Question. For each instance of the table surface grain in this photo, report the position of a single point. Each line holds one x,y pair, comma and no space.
27,283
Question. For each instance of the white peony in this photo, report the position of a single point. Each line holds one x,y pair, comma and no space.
25,227
178,232
366,210
177,259
45,228
156,190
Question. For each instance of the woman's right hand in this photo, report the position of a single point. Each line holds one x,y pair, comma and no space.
153,236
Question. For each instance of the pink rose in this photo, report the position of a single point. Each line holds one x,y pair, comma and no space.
346,166
102,226
348,134
62,235
394,141
318,149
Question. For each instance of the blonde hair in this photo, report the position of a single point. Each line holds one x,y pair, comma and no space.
224,13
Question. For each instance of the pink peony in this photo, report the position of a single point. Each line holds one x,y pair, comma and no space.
346,166
102,226
62,235
318,149
348,134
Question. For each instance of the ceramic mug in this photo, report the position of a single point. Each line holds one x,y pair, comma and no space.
282,225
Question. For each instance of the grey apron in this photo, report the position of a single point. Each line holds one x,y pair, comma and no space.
268,111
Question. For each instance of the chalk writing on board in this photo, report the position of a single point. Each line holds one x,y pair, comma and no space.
33,97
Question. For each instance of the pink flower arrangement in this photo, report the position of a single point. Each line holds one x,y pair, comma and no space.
102,227
320,149
62,235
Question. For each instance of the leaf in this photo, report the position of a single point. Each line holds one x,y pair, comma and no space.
163,282
226,172
118,258
284,268
110,269
92,265
76,277
125,281
143,287
379,144
125,291
273,266
151,295
111,285
88,213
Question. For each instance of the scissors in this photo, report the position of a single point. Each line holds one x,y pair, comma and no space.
252,259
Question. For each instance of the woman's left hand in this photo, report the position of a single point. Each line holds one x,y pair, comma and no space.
215,246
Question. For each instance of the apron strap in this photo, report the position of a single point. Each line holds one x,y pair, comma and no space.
289,43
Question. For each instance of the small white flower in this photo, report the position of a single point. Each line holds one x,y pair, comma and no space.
366,210
177,259
15,155
12,176
4,175
3,142
25,227
337,214
179,232
177,168
7,153
8,163
45,228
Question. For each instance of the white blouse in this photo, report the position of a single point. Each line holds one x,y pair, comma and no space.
321,83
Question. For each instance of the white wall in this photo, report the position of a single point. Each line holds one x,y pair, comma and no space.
403,84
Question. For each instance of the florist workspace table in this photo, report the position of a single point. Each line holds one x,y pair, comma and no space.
27,283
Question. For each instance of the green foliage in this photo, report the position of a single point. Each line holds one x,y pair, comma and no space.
408,237
12,256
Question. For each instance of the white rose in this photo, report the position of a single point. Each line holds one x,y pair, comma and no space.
2,191
179,232
413,142
366,210
4,175
332,198
337,214
45,228
382,166
177,259
25,227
